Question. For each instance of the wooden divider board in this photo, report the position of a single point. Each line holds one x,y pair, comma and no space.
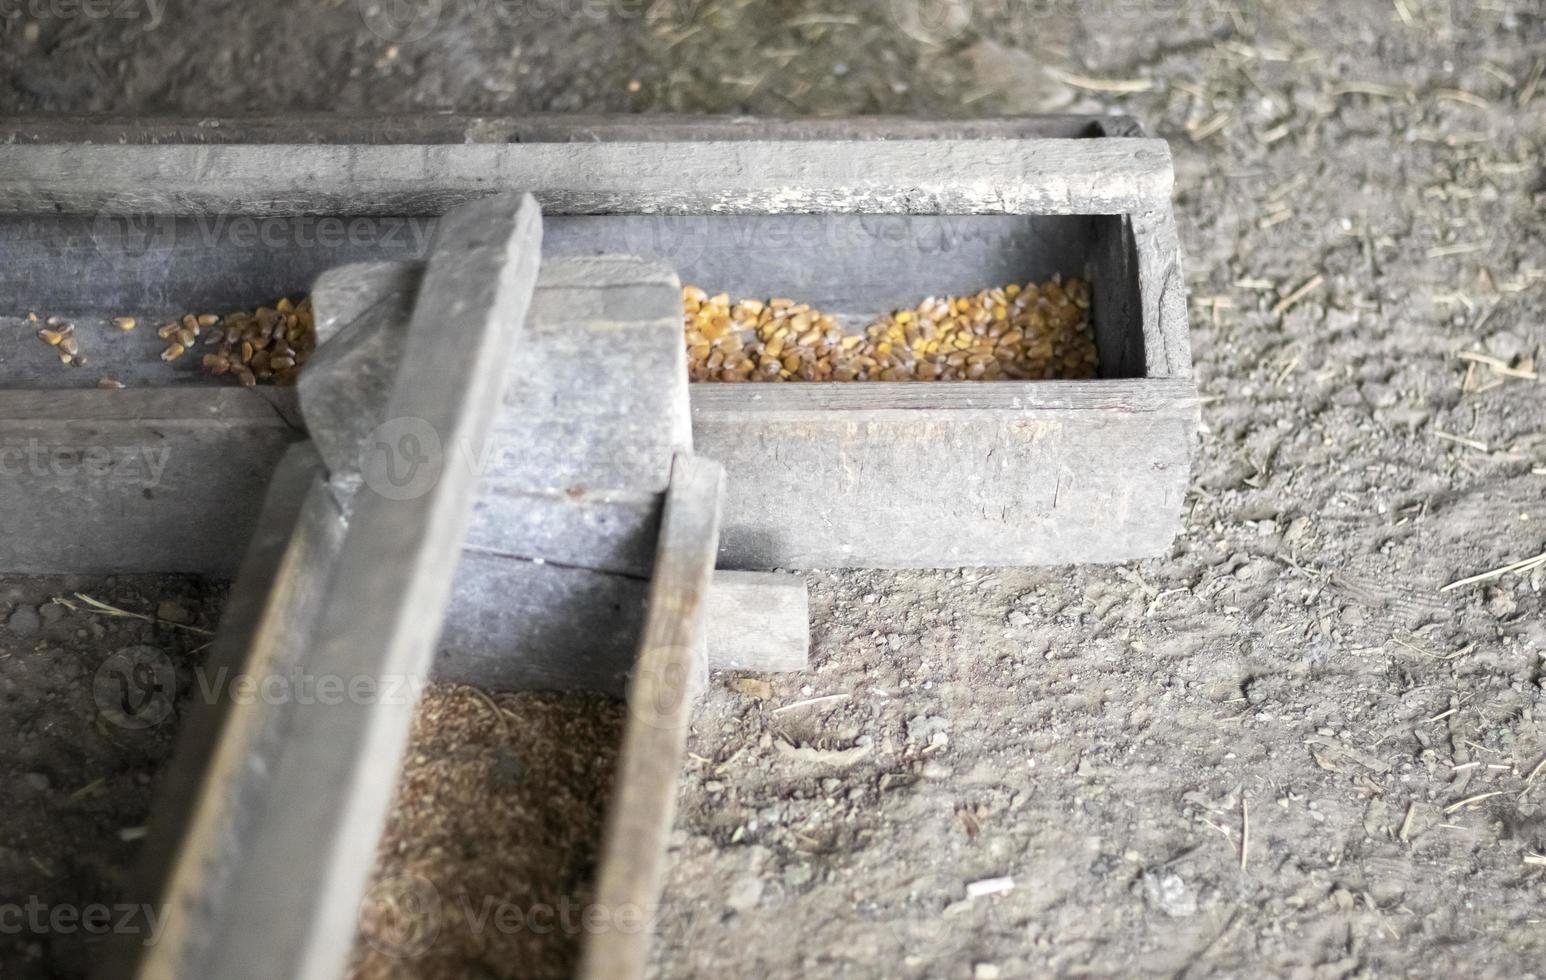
212,796
284,902
668,679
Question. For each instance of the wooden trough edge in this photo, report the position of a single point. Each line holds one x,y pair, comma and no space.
1068,472
1114,175
444,127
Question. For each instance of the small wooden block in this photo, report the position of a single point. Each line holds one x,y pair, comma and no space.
517,625
580,450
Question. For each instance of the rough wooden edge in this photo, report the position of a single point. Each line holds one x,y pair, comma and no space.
191,406
875,400
1162,293
670,668
191,864
431,128
335,780
1034,176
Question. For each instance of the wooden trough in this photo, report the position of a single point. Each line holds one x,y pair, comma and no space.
153,219
585,555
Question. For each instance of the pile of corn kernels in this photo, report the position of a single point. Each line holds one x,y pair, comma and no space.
1022,333
268,345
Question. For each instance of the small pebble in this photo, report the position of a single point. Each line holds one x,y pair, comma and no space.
745,893
23,621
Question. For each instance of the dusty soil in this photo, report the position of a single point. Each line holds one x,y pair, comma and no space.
85,734
1280,749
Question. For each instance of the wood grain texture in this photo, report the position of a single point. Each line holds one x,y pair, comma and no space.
1162,286
758,622
517,625
317,831
1035,176
857,265
195,856
579,451
1017,473
669,675
945,475
439,127
107,481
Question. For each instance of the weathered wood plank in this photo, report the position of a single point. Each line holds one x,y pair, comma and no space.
315,836
430,128
580,450
859,265
667,680
518,625
909,476
105,481
1052,176
758,622
194,857
1162,285
1062,472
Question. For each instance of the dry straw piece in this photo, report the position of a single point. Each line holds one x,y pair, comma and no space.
1014,333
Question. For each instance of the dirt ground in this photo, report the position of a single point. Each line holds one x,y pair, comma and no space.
1281,749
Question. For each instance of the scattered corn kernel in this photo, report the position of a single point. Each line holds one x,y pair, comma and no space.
267,346
1017,333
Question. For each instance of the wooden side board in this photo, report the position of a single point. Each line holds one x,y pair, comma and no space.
863,475
445,127
944,475
517,625
1112,175
164,480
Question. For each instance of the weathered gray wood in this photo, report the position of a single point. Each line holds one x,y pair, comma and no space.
518,625
758,622
315,835
1140,319
431,128
580,449
1061,472
668,678
347,385
1116,302
1111,175
195,858
1167,338
108,481
854,265
939,475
